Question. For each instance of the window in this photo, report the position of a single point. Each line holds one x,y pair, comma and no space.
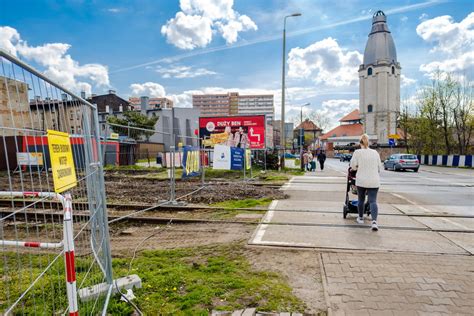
370,108
369,71
393,70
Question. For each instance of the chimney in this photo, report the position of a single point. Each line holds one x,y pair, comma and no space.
111,91
93,95
83,94
38,98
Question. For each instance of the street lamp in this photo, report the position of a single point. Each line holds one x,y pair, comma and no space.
282,134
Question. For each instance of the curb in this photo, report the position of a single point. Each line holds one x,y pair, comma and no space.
325,284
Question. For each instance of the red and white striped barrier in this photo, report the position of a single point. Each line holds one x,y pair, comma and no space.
68,240
67,243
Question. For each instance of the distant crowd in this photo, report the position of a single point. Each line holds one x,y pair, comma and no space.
310,160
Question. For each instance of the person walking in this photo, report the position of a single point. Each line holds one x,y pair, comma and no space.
322,159
367,163
305,160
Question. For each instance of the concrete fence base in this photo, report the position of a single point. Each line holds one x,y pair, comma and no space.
447,160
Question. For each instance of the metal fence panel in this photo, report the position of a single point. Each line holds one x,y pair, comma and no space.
36,272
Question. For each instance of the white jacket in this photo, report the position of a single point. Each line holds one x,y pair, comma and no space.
367,163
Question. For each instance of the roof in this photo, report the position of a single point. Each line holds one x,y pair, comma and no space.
380,45
344,130
353,116
308,125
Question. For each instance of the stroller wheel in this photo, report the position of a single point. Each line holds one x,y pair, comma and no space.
345,210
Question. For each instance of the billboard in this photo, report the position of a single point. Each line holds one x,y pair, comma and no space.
234,131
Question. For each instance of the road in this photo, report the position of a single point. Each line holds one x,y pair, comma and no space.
434,206
438,189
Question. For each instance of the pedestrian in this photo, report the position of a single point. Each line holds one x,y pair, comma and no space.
305,160
322,159
310,159
367,163
313,163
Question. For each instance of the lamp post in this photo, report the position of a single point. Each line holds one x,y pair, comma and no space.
302,133
282,134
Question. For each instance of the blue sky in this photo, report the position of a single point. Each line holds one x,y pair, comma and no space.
150,47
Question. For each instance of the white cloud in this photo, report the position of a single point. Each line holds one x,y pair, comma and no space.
9,37
326,63
423,17
114,10
335,109
403,19
180,72
198,20
453,42
405,81
188,31
151,89
59,65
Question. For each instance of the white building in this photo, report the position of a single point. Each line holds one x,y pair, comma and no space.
379,83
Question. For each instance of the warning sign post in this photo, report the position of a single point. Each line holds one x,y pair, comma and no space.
62,163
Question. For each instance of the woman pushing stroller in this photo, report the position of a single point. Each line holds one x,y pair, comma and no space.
367,163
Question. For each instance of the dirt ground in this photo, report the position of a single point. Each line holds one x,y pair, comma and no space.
299,267
142,190
127,188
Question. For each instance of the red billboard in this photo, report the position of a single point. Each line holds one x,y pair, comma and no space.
234,131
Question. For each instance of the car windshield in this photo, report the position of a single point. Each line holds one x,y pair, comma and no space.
408,157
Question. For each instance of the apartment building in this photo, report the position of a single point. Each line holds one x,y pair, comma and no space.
233,103
150,103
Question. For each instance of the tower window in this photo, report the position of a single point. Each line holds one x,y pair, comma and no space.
370,108
393,70
369,72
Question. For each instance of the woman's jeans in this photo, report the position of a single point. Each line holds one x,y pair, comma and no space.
372,193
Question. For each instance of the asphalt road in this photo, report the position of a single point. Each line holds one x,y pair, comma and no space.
434,189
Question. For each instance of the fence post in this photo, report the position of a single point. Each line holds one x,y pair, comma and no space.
102,212
69,260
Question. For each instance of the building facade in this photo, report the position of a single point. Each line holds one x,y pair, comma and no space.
379,83
150,103
14,107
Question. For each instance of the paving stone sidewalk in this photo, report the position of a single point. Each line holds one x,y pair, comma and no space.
399,284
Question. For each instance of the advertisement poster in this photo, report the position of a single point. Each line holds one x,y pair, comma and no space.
228,158
233,131
191,166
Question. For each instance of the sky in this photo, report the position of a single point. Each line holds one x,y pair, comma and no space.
175,48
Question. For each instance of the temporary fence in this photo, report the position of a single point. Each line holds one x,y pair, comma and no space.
54,236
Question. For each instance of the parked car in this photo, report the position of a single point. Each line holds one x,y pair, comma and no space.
402,162
345,157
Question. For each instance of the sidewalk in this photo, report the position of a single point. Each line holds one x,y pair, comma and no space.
406,268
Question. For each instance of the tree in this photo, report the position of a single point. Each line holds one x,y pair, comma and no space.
463,112
133,124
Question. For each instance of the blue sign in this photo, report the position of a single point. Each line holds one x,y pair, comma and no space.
236,158
191,167
391,142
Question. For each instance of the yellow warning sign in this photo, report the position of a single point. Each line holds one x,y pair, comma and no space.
248,159
62,163
394,136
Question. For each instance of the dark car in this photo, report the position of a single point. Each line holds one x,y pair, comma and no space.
402,162
345,157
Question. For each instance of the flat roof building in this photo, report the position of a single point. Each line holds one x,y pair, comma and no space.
148,103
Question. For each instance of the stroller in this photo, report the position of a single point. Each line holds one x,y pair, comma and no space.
350,206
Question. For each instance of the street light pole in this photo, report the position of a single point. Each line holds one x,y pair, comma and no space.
282,132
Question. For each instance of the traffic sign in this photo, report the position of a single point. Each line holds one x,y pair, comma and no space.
394,136
391,142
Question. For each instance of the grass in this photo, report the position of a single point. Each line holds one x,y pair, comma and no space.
245,203
187,281
196,281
